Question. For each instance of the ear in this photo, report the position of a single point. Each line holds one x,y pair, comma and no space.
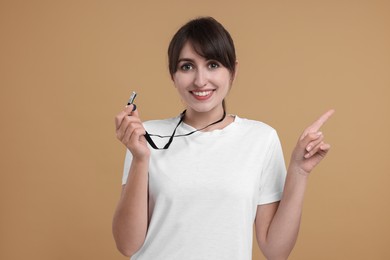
235,71
173,80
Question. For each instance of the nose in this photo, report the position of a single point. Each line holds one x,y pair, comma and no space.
201,78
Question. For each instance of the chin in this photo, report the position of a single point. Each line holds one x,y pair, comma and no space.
201,109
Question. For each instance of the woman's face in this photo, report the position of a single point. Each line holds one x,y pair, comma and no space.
202,84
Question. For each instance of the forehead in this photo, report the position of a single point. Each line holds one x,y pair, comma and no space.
188,52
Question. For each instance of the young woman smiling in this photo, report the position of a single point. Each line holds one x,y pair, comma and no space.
216,175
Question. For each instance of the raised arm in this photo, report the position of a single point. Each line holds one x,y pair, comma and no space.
130,220
277,224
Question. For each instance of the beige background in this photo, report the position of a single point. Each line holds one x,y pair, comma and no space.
67,67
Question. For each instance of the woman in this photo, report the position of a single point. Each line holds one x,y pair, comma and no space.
218,174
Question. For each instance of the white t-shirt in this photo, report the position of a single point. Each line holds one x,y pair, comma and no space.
204,190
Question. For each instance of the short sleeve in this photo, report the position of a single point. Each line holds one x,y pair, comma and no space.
126,167
273,174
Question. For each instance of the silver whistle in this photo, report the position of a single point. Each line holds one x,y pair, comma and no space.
132,97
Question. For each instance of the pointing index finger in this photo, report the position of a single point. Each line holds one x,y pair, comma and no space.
320,121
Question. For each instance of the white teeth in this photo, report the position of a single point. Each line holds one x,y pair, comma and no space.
201,94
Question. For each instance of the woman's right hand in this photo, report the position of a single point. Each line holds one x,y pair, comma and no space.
130,131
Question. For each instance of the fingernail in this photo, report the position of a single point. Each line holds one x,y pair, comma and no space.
134,107
319,133
307,155
308,148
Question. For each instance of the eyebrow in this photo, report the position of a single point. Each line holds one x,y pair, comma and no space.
185,59
193,61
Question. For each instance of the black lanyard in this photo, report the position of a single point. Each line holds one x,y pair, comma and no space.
152,144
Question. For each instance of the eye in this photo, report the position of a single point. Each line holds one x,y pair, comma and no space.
214,65
186,66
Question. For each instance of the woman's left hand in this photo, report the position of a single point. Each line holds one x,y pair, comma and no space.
311,148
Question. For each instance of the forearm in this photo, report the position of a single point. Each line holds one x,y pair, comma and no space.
283,230
130,220
279,232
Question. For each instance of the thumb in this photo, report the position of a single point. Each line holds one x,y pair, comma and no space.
131,110
134,110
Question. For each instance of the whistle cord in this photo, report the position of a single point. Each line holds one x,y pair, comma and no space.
154,146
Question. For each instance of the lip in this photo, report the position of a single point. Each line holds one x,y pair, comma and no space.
197,97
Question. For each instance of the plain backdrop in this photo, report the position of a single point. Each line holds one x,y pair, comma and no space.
68,67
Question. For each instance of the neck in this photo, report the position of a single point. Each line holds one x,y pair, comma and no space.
199,120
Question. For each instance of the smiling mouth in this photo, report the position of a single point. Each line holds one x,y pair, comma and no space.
202,93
